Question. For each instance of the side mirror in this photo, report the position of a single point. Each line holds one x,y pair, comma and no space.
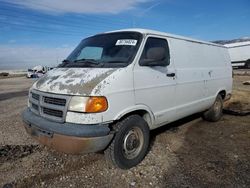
155,56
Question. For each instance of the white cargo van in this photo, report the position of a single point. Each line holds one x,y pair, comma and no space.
117,86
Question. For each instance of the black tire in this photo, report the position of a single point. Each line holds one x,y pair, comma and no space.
126,154
215,112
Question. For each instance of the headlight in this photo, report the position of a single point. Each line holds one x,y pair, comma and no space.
88,104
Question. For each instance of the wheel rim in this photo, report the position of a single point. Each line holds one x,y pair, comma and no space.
217,107
133,142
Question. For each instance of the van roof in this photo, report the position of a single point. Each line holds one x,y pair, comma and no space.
154,32
238,44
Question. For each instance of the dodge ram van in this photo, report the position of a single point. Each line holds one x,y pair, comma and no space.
117,86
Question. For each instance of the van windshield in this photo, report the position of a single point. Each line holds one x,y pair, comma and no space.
105,50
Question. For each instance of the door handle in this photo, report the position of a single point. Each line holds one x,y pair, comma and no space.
210,73
170,74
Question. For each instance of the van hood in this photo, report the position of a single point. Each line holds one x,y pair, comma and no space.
72,81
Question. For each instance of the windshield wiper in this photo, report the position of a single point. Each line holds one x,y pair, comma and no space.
64,63
90,61
83,63
116,62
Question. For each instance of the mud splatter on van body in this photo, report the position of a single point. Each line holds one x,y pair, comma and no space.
73,81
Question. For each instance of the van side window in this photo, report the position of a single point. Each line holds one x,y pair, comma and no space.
155,53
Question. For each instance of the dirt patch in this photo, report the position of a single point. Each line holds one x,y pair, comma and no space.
13,152
239,104
5,96
5,76
213,155
241,72
246,83
237,108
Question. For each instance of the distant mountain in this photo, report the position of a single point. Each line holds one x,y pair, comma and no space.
244,39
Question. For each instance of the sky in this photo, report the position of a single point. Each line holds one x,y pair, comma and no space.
44,32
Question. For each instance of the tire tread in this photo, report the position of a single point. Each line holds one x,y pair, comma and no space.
209,115
109,152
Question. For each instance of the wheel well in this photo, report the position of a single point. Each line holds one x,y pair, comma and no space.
222,94
143,113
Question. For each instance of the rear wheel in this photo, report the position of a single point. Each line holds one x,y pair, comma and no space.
215,112
130,144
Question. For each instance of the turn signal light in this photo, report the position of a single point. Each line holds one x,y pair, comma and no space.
96,104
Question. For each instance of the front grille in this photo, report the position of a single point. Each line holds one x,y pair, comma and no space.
50,106
52,112
35,107
35,96
55,101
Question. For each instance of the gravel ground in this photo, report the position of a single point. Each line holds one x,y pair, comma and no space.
187,153
15,84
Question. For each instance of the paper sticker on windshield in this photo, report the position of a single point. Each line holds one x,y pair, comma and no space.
129,42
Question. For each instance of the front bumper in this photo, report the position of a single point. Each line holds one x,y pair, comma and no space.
67,137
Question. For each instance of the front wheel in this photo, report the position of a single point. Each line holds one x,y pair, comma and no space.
215,112
130,144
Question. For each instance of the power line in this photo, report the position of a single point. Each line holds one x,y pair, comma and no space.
74,26
56,9
86,17
17,18
65,21
54,23
49,30
49,26
39,29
